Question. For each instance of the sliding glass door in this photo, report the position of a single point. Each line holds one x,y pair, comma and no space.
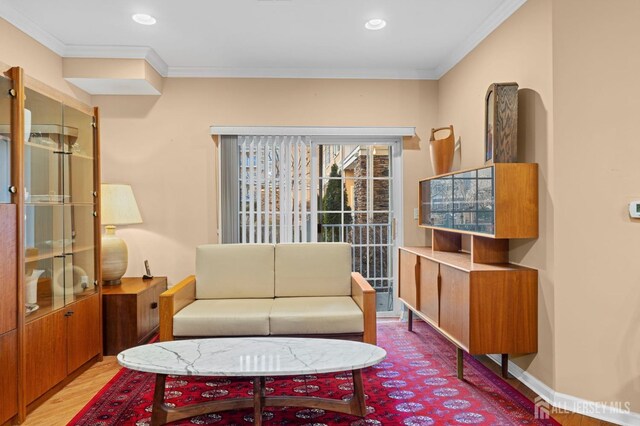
311,189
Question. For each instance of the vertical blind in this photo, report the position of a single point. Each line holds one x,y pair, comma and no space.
274,189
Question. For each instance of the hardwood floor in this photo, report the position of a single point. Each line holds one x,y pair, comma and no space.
63,406
66,403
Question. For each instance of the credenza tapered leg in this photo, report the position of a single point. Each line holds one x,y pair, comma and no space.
460,355
410,320
505,366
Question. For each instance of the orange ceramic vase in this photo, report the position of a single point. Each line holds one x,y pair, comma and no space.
442,151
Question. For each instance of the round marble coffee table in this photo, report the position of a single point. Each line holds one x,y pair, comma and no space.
256,357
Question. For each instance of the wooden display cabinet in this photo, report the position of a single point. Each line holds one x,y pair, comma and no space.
50,319
475,297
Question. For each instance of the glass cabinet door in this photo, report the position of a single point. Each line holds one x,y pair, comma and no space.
59,207
461,201
5,139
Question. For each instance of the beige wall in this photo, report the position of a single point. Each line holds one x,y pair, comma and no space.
161,146
502,57
577,65
596,60
18,49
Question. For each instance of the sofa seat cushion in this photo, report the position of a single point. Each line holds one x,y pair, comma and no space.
224,317
315,315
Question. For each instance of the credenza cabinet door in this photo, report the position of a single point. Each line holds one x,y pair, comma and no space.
454,304
429,292
408,284
46,353
8,375
83,331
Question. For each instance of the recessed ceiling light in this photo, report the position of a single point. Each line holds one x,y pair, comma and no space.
144,19
375,24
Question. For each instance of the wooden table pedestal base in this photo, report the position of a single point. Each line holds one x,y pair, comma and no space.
162,413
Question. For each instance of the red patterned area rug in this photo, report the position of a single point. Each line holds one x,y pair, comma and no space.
415,385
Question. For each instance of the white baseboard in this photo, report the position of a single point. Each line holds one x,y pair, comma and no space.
571,403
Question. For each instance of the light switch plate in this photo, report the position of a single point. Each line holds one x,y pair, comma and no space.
416,212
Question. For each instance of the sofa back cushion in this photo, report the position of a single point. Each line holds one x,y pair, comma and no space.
313,269
234,271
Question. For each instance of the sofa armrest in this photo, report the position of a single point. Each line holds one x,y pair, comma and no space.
172,301
365,297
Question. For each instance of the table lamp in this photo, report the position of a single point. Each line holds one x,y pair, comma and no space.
119,207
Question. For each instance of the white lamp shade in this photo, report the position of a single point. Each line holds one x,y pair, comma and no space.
119,206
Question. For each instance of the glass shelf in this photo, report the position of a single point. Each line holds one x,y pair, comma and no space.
54,149
56,203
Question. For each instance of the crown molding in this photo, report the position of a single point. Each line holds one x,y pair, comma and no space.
337,73
27,26
20,21
493,21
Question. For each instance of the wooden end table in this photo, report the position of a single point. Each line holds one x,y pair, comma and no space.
130,312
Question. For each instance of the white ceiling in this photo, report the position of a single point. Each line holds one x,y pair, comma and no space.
267,38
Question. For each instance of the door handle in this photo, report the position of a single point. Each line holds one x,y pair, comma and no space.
394,226
439,294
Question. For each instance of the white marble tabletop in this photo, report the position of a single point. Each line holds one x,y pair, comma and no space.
251,356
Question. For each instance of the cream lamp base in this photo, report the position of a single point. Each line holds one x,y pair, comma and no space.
115,257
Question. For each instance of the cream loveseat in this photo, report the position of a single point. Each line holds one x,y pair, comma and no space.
303,289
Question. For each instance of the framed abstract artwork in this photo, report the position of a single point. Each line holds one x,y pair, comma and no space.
501,123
